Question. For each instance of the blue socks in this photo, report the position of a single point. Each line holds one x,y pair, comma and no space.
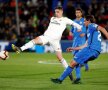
77,70
66,73
86,66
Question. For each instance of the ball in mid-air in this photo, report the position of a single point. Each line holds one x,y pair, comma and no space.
4,55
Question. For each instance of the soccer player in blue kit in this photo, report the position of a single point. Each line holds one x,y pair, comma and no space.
90,51
79,39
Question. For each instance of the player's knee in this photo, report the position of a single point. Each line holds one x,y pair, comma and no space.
59,55
37,40
73,63
59,58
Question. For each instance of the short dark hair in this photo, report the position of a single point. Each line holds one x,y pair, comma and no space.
59,7
79,9
90,18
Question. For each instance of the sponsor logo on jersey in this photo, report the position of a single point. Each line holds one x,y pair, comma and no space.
55,22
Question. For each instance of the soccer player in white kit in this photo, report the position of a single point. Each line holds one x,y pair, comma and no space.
52,35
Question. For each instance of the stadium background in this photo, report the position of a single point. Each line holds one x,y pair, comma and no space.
22,20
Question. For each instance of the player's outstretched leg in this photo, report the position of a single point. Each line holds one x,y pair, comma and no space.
66,73
26,46
16,49
63,62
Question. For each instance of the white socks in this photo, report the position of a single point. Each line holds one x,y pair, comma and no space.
28,45
64,63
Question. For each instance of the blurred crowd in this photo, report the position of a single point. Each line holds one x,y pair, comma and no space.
34,16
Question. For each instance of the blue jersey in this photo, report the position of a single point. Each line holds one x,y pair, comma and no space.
78,40
94,37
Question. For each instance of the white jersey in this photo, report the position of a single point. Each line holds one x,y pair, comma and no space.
58,25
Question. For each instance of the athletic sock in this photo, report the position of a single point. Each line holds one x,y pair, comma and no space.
28,45
77,70
86,66
64,63
66,73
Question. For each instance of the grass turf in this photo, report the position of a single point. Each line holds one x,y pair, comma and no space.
23,72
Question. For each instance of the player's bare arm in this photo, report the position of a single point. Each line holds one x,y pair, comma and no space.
103,30
69,49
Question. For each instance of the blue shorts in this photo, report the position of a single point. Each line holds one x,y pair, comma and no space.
86,54
74,52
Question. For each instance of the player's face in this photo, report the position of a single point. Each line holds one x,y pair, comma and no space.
86,22
78,14
58,13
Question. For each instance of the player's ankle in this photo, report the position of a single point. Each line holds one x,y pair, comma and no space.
20,49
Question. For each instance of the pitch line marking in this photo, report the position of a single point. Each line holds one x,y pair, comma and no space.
46,62
55,63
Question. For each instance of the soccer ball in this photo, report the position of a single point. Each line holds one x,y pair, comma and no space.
4,55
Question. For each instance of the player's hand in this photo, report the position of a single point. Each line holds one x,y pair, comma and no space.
79,30
69,49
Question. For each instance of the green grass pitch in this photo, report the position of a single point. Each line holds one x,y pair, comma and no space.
23,72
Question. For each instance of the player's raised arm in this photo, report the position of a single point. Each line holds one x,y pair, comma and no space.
70,22
103,30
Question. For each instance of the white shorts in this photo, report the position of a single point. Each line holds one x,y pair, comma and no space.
54,43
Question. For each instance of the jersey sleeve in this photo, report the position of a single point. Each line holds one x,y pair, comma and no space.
70,22
94,26
51,18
